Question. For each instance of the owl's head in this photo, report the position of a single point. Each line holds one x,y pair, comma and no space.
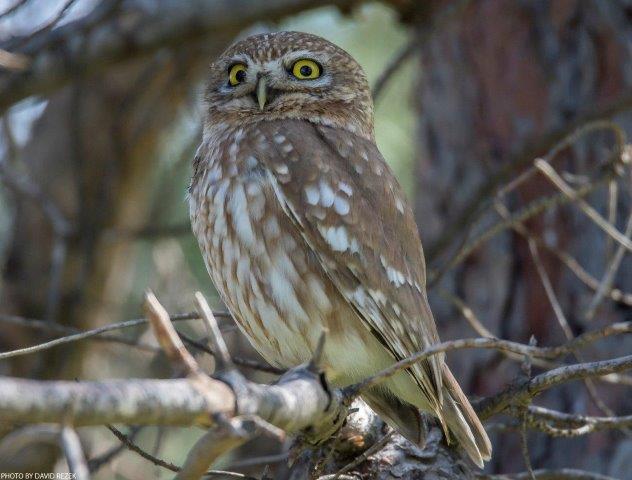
289,75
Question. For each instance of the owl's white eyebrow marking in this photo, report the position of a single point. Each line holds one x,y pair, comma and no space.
292,57
239,58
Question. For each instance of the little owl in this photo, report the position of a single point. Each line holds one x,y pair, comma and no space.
304,229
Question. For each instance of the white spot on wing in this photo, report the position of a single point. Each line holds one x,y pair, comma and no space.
345,187
281,168
341,206
326,194
312,195
336,237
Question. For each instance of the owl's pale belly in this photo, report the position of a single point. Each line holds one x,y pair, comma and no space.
274,287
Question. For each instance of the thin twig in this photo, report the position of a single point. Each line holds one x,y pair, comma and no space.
415,44
534,208
552,145
574,422
87,334
549,352
501,401
125,440
95,464
608,278
242,362
516,395
74,453
222,356
364,456
573,195
47,27
573,265
524,446
13,8
409,48
563,322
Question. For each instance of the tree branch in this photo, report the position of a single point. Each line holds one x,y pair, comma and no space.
120,31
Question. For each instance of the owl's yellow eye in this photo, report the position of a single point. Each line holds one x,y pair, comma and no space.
237,74
306,69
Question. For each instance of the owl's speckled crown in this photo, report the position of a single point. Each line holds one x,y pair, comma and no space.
268,46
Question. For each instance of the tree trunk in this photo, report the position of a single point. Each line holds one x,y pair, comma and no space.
494,82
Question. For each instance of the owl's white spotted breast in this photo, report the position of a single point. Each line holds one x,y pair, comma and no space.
265,273
256,259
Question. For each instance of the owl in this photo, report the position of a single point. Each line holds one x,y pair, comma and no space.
304,228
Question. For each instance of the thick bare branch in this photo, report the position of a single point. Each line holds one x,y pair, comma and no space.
519,394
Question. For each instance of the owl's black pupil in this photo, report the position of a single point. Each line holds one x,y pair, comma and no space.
240,76
306,70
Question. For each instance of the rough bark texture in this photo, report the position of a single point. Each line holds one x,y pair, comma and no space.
484,96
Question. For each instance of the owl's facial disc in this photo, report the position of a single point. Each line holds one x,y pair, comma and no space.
250,85
289,75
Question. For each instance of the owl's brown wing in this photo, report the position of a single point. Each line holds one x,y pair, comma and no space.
338,190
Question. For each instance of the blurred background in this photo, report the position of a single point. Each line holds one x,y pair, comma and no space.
100,105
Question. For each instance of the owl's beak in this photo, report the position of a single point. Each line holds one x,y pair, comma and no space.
262,92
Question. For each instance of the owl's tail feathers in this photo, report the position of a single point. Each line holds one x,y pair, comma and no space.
402,416
462,421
